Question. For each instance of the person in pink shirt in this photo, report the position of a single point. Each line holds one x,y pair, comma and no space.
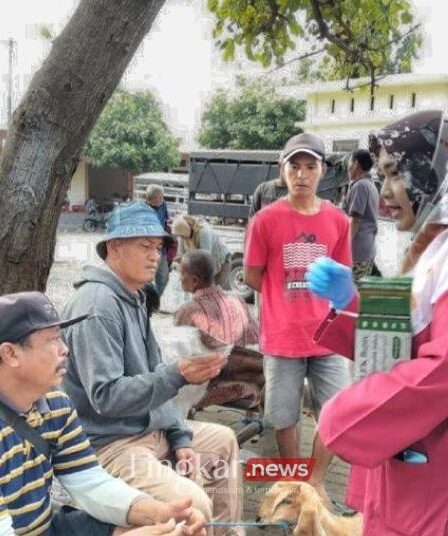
281,241
227,319
393,426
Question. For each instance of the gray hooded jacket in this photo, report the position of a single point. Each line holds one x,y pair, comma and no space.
115,375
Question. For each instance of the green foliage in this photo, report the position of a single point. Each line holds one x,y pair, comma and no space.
131,134
361,37
315,69
45,32
255,117
325,67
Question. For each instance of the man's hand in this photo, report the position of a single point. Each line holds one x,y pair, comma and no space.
149,511
201,369
166,529
159,516
195,525
186,465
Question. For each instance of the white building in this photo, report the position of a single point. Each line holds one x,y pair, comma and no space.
344,118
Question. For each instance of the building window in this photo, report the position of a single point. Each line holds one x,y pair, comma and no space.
372,103
413,100
352,105
345,146
391,102
333,106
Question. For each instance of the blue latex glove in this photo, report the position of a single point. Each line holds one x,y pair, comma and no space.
331,280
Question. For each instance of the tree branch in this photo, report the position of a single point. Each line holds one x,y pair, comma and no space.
297,58
324,30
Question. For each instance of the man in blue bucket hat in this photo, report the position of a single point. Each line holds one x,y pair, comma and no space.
124,394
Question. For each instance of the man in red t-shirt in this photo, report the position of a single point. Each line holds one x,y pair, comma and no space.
282,240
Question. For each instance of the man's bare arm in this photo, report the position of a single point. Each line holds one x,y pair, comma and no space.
252,276
354,226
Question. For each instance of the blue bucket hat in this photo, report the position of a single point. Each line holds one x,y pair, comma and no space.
132,220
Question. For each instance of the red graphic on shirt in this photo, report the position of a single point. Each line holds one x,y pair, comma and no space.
296,258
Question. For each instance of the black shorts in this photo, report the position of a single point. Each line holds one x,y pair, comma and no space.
70,522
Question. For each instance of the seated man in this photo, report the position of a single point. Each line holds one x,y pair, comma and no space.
226,318
124,394
41,436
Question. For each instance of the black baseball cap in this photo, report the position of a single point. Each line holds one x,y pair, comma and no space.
24,313
304,143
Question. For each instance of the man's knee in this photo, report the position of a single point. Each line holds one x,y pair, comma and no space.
202,502
225,440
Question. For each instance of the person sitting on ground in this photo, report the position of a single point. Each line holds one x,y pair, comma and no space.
41,437
197,234
125,394
226,318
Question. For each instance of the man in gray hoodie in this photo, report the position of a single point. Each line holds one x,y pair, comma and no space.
124,394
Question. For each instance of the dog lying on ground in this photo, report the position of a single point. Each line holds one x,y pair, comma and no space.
299,504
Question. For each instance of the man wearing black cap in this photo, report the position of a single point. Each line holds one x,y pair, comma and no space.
282,240
41,436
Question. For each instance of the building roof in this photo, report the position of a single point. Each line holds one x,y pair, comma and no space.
174,179
393,80
237,155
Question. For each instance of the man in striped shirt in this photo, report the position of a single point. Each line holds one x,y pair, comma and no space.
33,360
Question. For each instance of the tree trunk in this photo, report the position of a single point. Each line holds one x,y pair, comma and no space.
51,126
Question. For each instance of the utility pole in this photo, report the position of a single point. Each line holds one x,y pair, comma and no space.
10,43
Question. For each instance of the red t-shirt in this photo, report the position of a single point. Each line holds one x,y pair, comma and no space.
285,242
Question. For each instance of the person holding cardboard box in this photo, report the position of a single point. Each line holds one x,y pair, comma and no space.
393,425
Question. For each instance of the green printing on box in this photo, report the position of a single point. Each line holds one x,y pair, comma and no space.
384,330
380,342
385,296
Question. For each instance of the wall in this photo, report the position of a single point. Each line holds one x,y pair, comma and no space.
345,124
78,191
104,182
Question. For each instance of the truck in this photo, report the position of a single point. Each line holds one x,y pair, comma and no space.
175,189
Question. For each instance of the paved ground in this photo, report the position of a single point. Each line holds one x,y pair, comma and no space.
265,445
75,249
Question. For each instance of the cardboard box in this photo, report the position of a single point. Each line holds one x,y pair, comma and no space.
385,296
381,342
384,330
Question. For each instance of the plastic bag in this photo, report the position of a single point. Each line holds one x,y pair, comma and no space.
183,342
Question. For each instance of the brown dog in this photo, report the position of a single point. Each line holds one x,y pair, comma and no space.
299,504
